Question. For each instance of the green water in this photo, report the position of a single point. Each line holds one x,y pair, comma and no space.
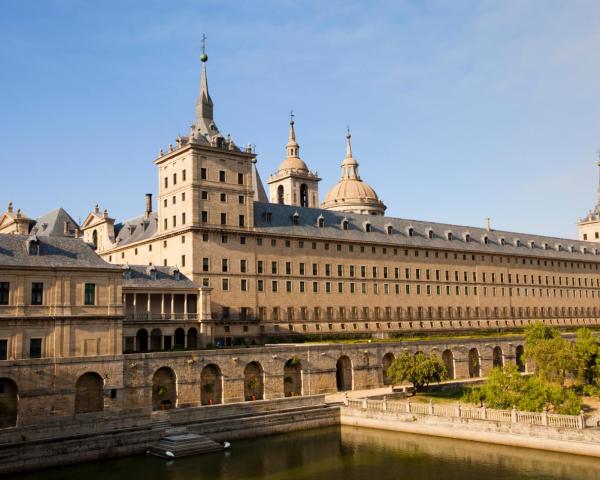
344,453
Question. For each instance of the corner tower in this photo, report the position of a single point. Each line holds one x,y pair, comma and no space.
589,226
293,183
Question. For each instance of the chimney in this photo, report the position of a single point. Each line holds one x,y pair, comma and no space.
67,228
148,205
488,224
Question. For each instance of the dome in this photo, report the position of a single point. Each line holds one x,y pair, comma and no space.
351,194
293,163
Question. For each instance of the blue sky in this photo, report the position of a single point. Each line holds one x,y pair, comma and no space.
459,110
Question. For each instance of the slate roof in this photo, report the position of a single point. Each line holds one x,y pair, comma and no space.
53,224
136,229
54,252
277,219
140,276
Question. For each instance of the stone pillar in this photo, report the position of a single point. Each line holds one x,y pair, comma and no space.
149,306
134,304
172,306
545,417
185,306
162,306
513,415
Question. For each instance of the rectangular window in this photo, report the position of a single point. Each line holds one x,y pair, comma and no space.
301,268
37,293
244,285
259,266
164,225
205,264
274,268
4,293
260,285
224,265
223,219
174,179
204,195
243,266
183,260
3,349
35,348
242,220
183,218
240,178
274,285
174,221
225,284
90,294
223,197
166,182
301,287
203,173
288,268
183,175
221,175
241,199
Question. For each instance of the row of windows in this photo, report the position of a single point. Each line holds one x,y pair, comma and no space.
409,313
37,293
222,177
409,289
354,249
363,271
35,348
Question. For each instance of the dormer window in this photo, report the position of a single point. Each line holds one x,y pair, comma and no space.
545,246
532,244
410,232
517,242
33,245
583,250
486,240
389,229
345,224
296,218
152,272
449,236
127,273
321,221
467,237
596,251
269,216
502,241
176,274
571,248
558,247
367,226
430,234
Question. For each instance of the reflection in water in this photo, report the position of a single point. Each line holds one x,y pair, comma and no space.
345,453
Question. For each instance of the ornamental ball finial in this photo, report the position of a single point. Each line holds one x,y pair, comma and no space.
203,57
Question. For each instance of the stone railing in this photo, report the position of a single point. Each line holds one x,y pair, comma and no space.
457,410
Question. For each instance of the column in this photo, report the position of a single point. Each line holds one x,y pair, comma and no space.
162,305
185,306
149,306
172,306
134,304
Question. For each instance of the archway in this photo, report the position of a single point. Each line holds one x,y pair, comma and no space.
520,359
292,378
9,403
343,374
180,338
211,382
89,393
280,196
474,363
448,359
164,390
253,381
141,340
156,339
192,338
303,195
497,357
386,361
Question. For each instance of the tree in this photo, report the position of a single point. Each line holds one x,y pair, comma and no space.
553,356
587,354
419,369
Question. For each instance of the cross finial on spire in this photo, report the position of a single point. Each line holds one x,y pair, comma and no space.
204,56
292,116
348,146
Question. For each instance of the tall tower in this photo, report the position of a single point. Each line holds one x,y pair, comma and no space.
589,226
293,183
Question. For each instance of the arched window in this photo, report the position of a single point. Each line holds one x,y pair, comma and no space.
345,224
296,218
411,231
449,236
389,229
430,233
95,239
486,240
502,241
303,195
517,242
367,227
280,195
467,237
321,221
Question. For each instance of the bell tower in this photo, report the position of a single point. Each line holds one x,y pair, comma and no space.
293,183
589,226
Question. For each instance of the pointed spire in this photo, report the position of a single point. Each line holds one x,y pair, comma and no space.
204,104
349,165
292,147
348,145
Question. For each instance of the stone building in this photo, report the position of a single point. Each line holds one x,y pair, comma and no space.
288,267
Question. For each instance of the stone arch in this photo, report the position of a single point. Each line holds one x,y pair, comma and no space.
292,377
192,338
254,383
89,393
343,374
141,340
211,384
156,339
280,195
448,359
520,358
164,389
474,363
9,403
303,195
179,338
386,361
497,357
